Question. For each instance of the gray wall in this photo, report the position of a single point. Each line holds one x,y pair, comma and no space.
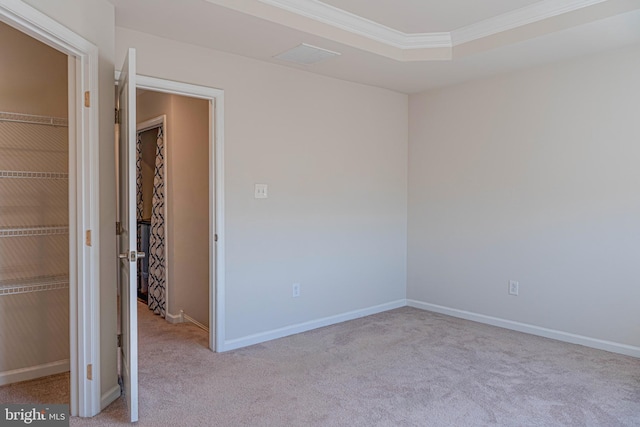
334,155
531,176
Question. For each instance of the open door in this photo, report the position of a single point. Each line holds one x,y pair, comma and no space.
128,351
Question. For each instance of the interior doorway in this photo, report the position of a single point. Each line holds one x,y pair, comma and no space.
128,245
34,213
214,98
83,207
172,206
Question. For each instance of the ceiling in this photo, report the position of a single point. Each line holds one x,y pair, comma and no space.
403,45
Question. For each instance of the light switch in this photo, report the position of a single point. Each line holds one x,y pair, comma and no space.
261,191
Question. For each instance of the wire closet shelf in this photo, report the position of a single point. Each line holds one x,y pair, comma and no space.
39,283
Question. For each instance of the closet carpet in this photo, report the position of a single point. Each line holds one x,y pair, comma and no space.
53,389
405,367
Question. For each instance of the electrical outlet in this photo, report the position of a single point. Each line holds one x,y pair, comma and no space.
261,191
296,290
513,287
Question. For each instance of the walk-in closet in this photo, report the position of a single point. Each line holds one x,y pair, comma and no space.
34,209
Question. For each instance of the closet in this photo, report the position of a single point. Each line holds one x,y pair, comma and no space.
34,241
34,209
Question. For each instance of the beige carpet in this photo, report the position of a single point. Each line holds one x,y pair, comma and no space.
53,389
405,367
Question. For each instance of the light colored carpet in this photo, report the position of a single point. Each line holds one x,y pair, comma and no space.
53,389
405,367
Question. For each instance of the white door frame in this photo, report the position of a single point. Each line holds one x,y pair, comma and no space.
216,195
84,219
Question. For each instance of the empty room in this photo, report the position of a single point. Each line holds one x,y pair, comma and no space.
399,213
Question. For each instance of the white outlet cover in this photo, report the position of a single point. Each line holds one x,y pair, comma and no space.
261,191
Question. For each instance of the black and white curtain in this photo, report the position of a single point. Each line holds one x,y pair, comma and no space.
157,263
139,205
157,278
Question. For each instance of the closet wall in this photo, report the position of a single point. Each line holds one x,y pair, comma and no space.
187,149
34,215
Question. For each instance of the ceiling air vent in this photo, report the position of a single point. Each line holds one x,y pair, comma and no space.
306,54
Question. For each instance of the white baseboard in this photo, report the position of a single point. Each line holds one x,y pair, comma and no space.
190,319
33,372
173,318
307,326
530,329
182,317
109,396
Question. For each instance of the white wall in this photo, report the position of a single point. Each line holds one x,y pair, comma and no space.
334,155
95,21
531,176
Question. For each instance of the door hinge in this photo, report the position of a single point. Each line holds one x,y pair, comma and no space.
118,228
117,116
215,237
87,99
90,371
119,340
88,238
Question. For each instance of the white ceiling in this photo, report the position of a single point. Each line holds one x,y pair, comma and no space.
403,45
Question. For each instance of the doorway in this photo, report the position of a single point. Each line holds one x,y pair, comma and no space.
34,212
128,82
83,274
172,206
216,254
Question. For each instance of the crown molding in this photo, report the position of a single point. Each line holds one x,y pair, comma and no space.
338,18
356,24
536,12
426,41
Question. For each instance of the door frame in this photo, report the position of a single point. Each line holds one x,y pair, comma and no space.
216,195
84,213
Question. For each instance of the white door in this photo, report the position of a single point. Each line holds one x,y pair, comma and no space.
127,238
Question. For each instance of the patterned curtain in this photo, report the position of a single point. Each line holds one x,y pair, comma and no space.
139,199
139,181
157,282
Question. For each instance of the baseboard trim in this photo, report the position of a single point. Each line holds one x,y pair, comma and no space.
190,319
110,396
33,372
173,318
307,326
613,347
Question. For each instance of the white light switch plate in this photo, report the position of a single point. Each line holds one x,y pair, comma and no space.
261,191
513,287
